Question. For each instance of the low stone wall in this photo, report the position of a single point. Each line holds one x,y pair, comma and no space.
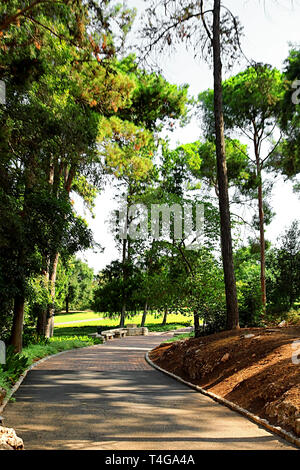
137,331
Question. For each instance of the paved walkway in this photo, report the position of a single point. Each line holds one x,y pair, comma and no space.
106,397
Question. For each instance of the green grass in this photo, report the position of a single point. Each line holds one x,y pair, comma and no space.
80,330
76,316
180,337
152,321
70,331
58,344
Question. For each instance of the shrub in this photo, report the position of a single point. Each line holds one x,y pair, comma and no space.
15,365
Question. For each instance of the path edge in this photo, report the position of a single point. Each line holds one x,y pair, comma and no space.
32,366
262,422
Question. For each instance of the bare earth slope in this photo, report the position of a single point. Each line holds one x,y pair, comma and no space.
256,373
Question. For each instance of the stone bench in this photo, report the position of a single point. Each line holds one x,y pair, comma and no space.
108,334
115,333
122,332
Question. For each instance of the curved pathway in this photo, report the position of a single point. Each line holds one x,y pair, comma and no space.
106,397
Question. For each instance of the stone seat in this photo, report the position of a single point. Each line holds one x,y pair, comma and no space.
120,332
108,334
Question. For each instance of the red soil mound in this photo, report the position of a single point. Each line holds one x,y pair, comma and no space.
260,374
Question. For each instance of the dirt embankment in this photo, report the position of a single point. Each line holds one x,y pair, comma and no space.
260,373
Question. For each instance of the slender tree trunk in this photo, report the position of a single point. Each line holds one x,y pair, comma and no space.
51,309
262,249
67,304
19,299
45,325
164,322
262,238
123,315
226,238
42,317
144,315
18,319
124,267
197,331
41,323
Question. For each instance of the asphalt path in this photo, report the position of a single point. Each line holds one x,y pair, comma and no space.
107,397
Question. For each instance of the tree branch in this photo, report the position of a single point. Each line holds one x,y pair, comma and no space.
12,19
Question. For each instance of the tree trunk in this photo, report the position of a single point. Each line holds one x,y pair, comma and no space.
41,323
67,304
123,315
144,315
164,322
124,267
257,143
51,309
42,317
262,245
226,239
197,329
18,319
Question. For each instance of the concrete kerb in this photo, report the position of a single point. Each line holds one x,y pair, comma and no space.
262,422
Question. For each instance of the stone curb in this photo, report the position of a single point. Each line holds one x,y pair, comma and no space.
35,364
263,422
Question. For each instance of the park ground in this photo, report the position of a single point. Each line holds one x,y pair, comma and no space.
107,397
260,373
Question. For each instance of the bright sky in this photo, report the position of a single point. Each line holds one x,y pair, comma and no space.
269,27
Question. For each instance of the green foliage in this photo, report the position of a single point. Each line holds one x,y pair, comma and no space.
154,101
15,365
58,344
282,278
205,292
284,270
180,337
252,96
247,269
286,158
113,289
38,299
74,285
203,163
168,327
61,129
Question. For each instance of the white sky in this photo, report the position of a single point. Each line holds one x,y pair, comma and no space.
269,27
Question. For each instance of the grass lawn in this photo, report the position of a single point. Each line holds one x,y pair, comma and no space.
153,322
180,337
77,316
58,344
